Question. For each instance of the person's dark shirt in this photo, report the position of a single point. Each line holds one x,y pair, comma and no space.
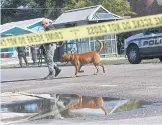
50,27
21,51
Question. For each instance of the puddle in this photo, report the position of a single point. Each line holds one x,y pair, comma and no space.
70,106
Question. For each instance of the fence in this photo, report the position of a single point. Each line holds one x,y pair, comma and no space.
91,44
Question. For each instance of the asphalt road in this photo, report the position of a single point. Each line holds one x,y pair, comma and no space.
142,81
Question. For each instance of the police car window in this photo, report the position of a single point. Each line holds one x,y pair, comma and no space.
157,30
153,30
160,30
148,31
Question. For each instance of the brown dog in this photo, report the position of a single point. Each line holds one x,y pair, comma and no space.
78,60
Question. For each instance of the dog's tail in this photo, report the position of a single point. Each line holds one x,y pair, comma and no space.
101,46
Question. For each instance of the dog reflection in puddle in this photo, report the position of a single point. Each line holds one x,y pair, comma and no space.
88,102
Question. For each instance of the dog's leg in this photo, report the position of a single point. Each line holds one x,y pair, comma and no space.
102,67
80,71
104,110
76,70
97,69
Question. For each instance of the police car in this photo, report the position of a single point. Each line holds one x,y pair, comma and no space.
146,45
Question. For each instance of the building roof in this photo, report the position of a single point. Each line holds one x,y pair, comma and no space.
23,24
92,13
18,28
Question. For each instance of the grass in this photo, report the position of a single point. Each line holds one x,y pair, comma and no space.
125,61
112,55
9,66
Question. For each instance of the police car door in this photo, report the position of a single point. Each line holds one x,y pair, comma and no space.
152,42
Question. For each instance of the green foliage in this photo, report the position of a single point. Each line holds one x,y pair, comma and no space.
119,7
132,104
44,8
16,10
73,4
8,9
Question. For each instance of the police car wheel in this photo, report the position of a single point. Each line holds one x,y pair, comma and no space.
160,59
133,55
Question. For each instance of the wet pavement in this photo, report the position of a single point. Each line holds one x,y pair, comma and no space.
71,107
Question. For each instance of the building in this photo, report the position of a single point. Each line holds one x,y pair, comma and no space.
84,16
19,28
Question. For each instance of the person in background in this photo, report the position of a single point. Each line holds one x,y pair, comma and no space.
34,53
22,54
49,53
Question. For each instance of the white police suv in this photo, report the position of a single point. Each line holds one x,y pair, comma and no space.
146,45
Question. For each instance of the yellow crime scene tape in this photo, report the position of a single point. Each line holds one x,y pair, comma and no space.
85,31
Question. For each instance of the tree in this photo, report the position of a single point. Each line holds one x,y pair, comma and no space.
119,7
17,10
73,4
9,9
44,8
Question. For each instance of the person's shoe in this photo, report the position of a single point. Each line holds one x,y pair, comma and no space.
34,63
57,71
50,76
27,65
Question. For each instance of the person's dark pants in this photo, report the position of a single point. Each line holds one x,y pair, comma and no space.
20,59
49,54
34,55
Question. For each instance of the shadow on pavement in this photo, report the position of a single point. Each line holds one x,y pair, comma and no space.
30,66
40,79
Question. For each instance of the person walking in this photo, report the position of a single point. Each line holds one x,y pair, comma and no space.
22,54
34,53
49,53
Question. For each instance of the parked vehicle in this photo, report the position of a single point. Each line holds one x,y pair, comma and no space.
146,45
